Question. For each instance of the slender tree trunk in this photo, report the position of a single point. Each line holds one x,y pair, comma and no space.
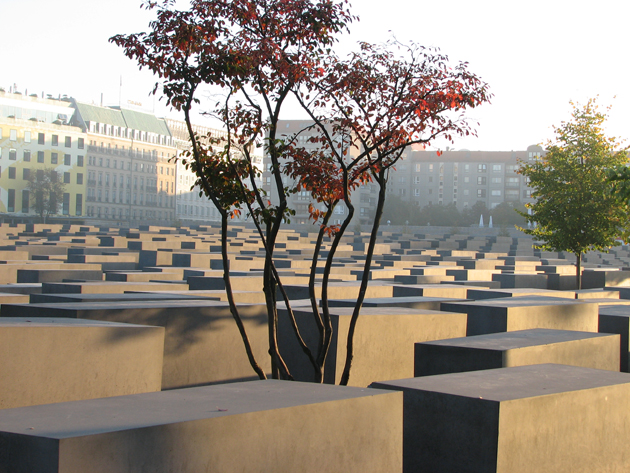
232,304
578,270
328,331
365,279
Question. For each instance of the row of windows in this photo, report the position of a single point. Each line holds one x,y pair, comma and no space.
54,157
466,167
106,212
481,180
111,130
26,201
138,167
26,174
41,139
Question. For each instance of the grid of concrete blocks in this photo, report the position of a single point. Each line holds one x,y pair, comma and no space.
472,353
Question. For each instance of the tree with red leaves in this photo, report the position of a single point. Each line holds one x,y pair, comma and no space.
366,110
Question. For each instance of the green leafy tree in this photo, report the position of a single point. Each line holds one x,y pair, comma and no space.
506,213
575,209
46,192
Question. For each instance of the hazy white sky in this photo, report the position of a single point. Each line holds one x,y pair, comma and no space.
536,55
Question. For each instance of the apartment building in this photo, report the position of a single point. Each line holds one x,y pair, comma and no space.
425,177
191,203
463,177
37,134
130,174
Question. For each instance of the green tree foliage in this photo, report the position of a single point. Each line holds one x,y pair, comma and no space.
507,213
575,209
46,192
400,212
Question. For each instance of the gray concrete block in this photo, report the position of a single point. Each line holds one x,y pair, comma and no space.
515,280
383,342
267,426
202,344
602,278
522,347
616,319
48,360
521,313
525,419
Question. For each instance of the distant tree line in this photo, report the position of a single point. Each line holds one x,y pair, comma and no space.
401,212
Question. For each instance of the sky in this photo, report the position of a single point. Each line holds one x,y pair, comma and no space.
537,56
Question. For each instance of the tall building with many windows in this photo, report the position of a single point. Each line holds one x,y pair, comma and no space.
36,134
192,204
424,177
463,177
130,174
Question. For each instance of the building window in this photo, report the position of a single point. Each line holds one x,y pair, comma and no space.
12,154
66,203
416,192
54,158
511,182
11,201
12,173
481,181
25,201
67,160
482,168
13,135
430,167
81,143
495,193
481,193
511,194
27,155
27,137
496,168
495,180
40,156
66,178
68,142
80,161
26,174
79,178
41,139
527,194
55,140
79,206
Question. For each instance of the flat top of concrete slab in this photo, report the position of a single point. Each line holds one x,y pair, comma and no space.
96,416
523,301
367,311
168,303
124,297
517,339
620,310
506,384
398,300
474,293
61,322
